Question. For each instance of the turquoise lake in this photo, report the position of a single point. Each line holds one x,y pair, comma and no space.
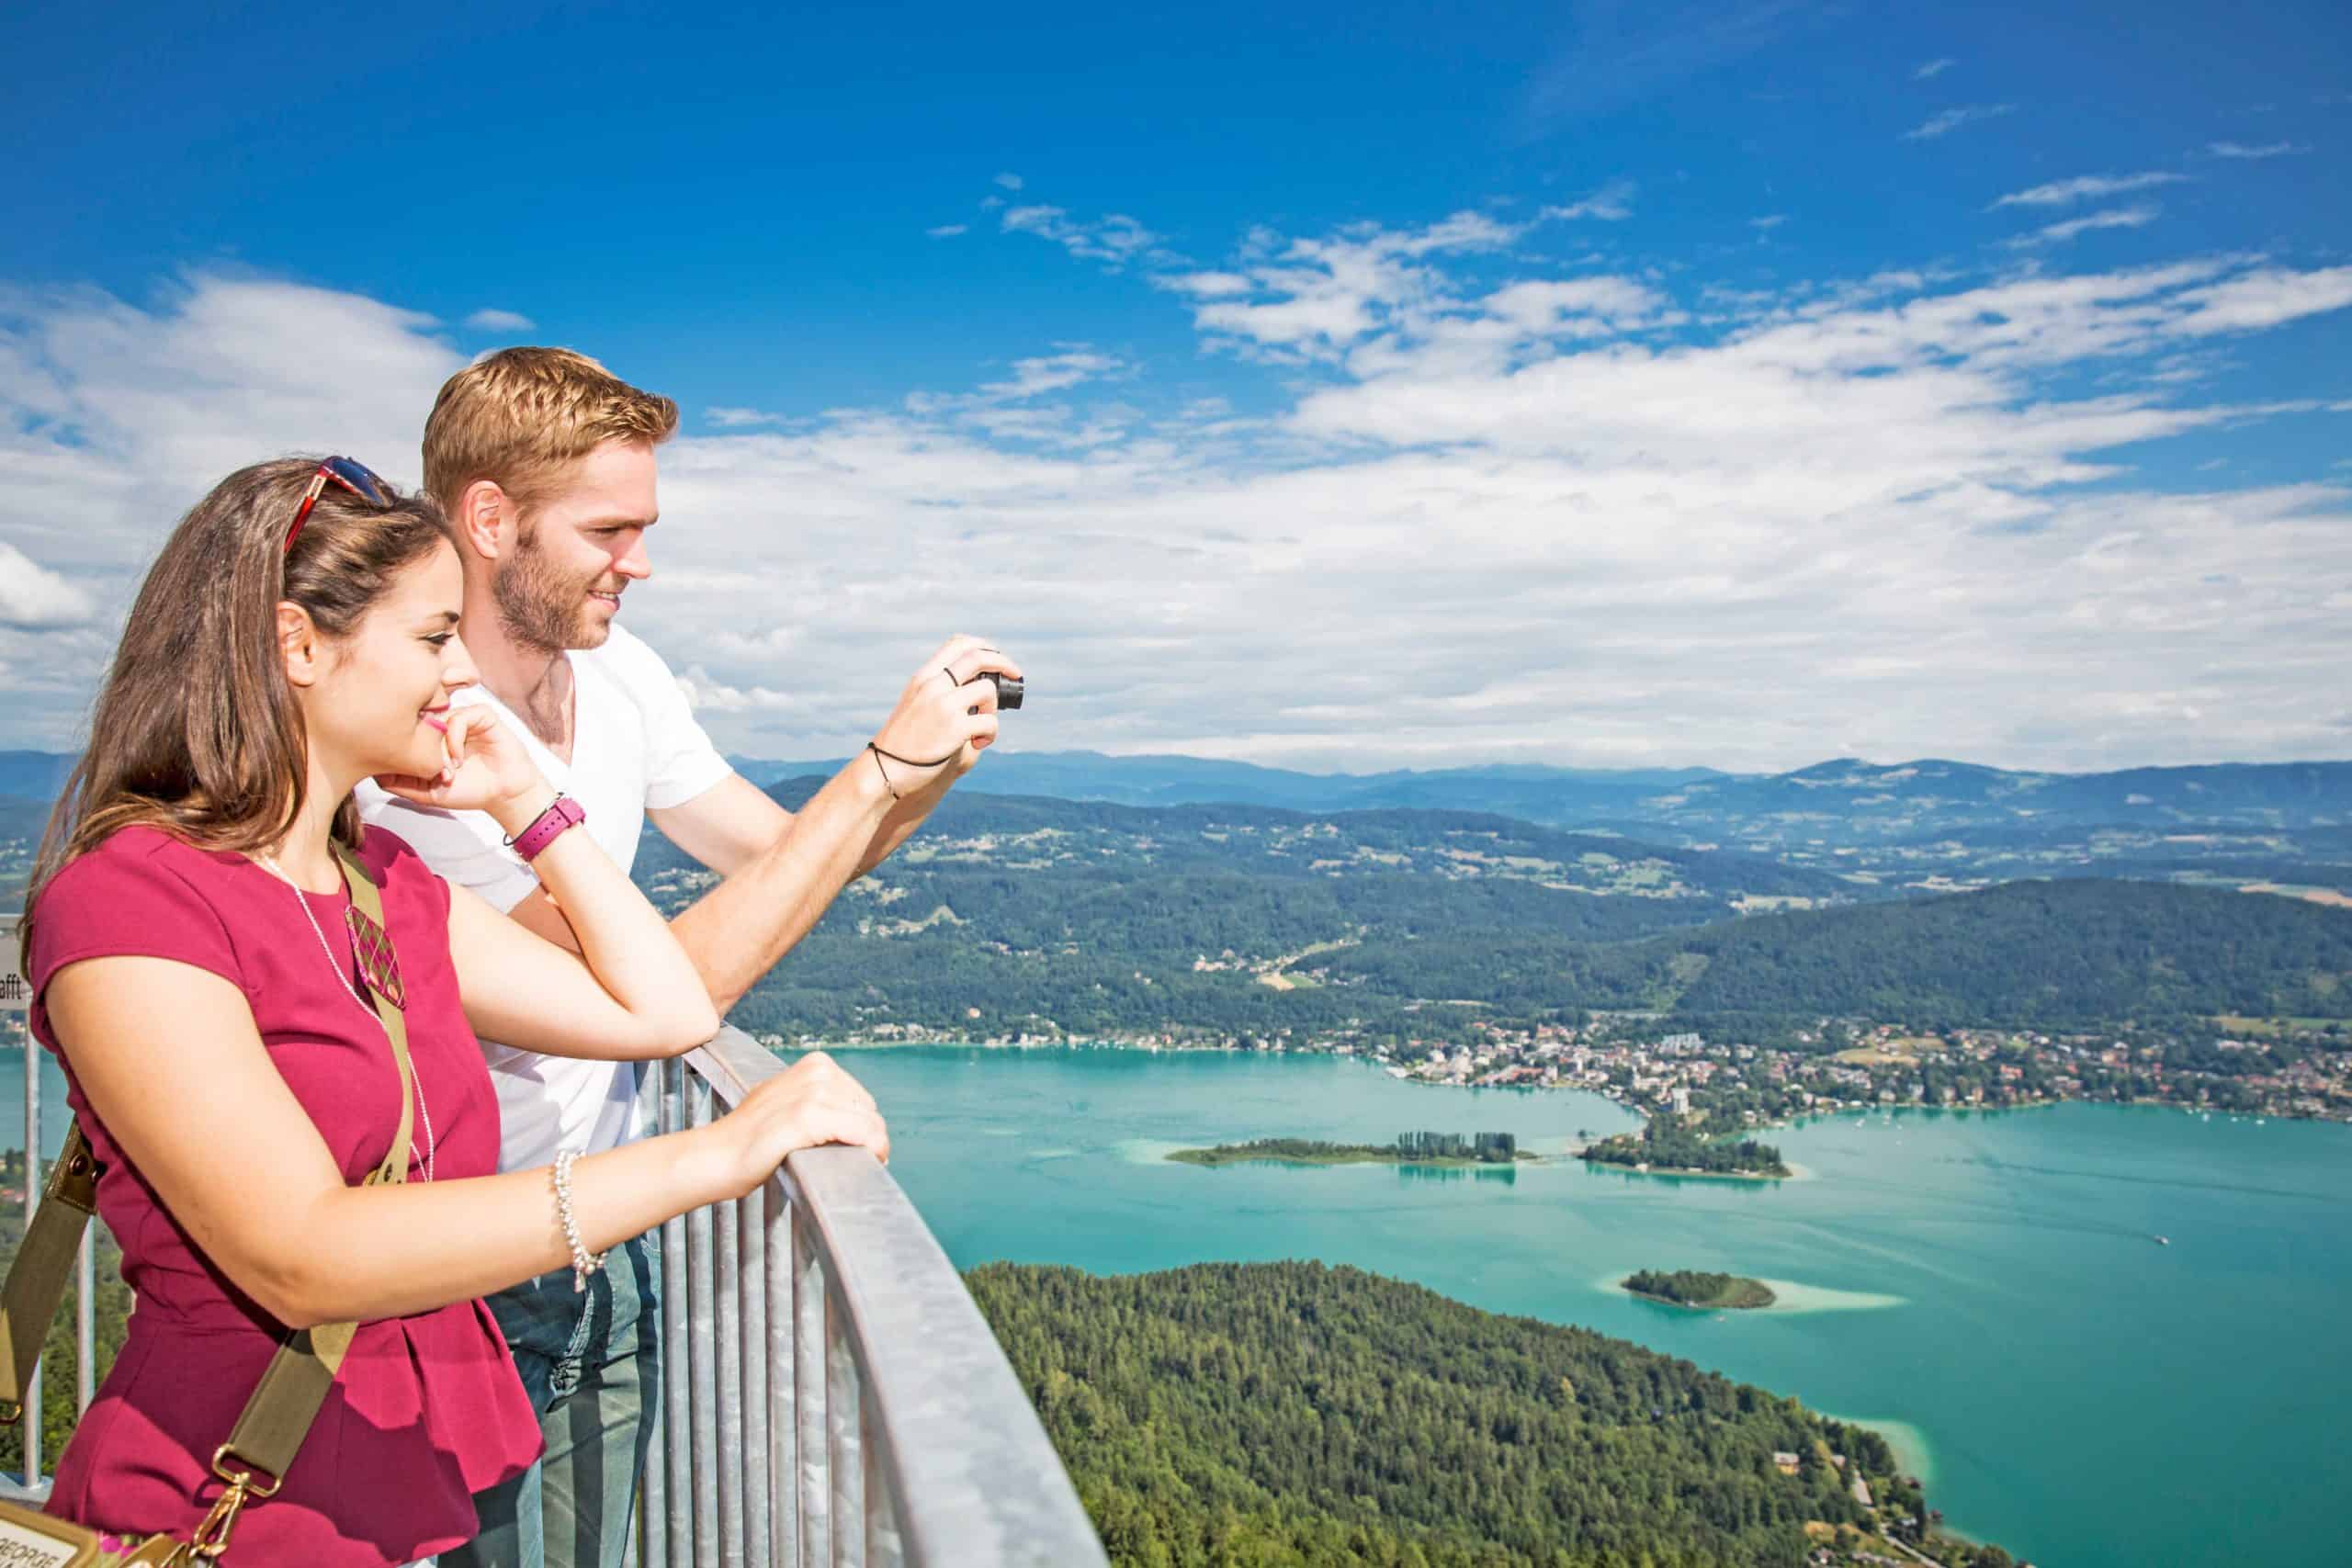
1984,1287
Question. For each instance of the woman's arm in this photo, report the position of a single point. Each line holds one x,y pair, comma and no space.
630,992
173,1065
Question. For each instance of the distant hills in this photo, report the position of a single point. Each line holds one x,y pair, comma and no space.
1887,800
1013,914
1930,824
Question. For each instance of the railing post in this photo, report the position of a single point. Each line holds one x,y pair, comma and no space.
784,1435
677,1394
30,1422
845,1459
751,1292
702,1334
809,1394
725,1285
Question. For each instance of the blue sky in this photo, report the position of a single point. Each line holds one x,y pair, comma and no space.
1700,383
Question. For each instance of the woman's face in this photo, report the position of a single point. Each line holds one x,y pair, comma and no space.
383,702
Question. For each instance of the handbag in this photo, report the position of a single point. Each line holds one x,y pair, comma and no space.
253,1463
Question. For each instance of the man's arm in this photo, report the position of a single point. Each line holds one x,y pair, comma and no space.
783,869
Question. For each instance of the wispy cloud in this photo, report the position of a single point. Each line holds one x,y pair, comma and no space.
2086,188
1114,240
1949,120
948,230
1933,69
2115,217
1010,182
1769,223
488,320
734,418
2268,149
1861,517
1612,203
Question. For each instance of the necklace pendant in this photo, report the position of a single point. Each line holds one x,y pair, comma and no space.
379,966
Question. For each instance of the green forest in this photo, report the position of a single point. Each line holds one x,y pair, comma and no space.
1698,1288
1010,915
1291,1413
1674,1143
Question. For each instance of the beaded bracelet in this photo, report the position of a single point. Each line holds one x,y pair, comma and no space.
583,1262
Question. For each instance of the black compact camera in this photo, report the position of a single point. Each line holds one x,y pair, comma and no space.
1008,691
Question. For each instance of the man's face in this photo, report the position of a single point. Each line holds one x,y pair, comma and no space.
578,550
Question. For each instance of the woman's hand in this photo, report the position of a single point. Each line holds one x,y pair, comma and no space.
813,1101
483,767
946,715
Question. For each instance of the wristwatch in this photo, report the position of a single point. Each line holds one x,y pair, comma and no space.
562,812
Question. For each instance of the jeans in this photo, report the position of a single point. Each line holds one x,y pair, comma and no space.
592,1364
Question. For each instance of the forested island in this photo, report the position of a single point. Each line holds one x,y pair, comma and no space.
1410,1149
1691,1288
1202,1426
1672,1146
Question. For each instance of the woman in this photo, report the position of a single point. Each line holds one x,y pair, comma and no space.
227,1059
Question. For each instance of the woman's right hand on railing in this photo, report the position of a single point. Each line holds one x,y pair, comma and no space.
811,1102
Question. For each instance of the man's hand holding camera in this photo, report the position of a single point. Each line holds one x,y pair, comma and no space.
945,719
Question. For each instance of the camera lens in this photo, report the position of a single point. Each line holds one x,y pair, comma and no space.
1008,691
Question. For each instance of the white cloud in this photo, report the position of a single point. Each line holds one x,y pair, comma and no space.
1932,69
1205,285
1769,223
734,418
2254,300
2114,217
1612,203
2269,150
2086,188
1949,120
1859,519
1115,239
1010,182
33,598
707,696
948,230
488,320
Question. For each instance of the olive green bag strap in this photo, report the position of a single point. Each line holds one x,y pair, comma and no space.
278,1417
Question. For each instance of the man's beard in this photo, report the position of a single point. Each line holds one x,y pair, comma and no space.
538,606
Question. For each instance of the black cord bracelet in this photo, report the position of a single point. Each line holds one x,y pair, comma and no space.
905,761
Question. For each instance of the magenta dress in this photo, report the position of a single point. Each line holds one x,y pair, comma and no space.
427,1409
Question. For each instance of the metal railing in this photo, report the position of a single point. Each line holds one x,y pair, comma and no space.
33,1486
830,1393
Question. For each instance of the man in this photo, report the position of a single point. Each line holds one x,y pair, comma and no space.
545,462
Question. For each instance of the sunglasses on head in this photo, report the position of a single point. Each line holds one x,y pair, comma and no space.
352,475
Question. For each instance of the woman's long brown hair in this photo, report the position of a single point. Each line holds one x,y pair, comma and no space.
195,729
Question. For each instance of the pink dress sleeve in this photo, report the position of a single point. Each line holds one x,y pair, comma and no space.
124,900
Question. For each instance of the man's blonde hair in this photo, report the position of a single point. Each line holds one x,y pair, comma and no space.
517,416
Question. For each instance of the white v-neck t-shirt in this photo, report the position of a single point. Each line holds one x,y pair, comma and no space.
635,745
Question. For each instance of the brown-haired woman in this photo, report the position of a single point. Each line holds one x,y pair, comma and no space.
195,969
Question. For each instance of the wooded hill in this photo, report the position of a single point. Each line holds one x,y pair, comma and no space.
1097,921
1298,1415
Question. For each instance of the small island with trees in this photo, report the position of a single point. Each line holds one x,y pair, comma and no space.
1410,1149
1691,1288
1671,1145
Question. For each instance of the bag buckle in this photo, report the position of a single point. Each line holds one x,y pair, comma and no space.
212,1537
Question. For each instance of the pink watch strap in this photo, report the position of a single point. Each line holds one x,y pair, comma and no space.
561,813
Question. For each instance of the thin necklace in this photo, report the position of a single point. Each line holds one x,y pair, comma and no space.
279,872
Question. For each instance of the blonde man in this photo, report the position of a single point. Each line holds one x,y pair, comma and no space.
544,461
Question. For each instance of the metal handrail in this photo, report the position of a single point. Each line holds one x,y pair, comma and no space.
820,1322
831,1395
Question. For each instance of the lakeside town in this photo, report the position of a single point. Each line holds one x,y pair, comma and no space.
2268,1069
